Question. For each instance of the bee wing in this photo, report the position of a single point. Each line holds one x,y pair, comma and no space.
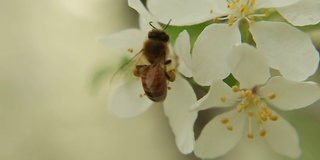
125,72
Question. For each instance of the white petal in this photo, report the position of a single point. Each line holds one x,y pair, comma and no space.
290,94
273,3
215,140
181,119
248,66
182,12
143,12
305,12
126,39
288,49
126,102
182,48
282,137
209,55
213,97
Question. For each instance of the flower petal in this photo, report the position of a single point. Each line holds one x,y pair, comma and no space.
282,137
305,12
126,101
143,12
182,48
290,94
215,140
181,119
124,40
213,97
248,66
273,3
182,12
288,49
209,55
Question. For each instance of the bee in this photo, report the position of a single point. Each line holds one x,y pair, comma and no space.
152,71
154,76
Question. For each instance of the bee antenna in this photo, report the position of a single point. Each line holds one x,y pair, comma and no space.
150,23
167,24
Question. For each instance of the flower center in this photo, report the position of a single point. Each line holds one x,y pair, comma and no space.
251,104
240,9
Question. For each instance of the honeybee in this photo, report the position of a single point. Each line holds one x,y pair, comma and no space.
154,76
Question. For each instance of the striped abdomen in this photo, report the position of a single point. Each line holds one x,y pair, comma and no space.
154,82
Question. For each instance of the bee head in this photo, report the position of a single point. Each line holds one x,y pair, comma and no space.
159,35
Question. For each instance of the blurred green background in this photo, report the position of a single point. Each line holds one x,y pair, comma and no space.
48,110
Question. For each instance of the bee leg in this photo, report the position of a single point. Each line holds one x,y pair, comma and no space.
171,75
137,70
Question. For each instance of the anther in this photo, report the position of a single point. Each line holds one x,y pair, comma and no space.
231,5
224,120
130,50
263,106
235,88
250,135
223,98
248,93
239,108
272,95
274,117
141,95
169,88
255,100
262,132
229,127
252,2
250,114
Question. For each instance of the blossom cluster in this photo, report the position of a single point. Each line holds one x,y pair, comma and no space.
270,61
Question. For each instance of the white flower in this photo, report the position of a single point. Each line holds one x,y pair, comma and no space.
287,49
305,12
252,118
127,99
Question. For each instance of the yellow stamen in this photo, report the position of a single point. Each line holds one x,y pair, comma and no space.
229,127
262,132
239,108
224,120
252,2
130,50
231,6
274,117
272,95
250,114
250,135
235,88
223,98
